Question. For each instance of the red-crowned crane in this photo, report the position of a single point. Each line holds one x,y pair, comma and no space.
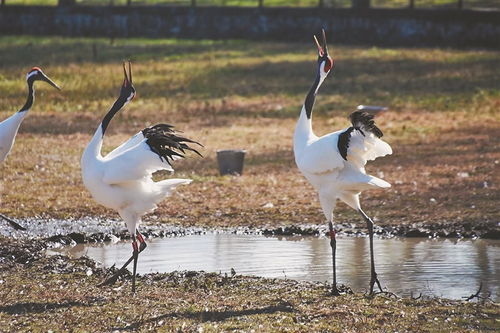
334,164
122,180
10,126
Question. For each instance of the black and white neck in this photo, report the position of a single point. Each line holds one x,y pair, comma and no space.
127,93
313,91
31,94
117,106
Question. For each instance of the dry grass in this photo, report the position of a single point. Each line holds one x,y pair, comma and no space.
58,294
443,126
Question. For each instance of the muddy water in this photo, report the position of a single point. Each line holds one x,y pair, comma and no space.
433,267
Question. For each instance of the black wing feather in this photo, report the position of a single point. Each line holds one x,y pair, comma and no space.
361,121
164,141
364,121
343,142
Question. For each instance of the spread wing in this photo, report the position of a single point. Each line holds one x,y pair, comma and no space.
135,163
148,151
133,141
357,144
321,156
361,142
365,147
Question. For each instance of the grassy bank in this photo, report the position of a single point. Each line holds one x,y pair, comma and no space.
443,126
55,293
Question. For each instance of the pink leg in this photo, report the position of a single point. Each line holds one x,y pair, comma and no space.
141,240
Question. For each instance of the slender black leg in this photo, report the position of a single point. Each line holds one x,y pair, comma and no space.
333,244
136,257
113,278
374,278
13,223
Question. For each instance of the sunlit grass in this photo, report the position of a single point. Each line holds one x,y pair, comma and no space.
242,94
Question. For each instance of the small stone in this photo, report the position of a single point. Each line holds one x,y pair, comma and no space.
268,205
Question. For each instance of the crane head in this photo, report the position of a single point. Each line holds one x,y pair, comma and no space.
127,91
36,74
325,62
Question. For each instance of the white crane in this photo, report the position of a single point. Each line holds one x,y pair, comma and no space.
122,180
334,164
10,126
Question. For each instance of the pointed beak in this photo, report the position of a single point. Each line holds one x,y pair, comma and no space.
49,81
128,78
325,47
130,71
320,49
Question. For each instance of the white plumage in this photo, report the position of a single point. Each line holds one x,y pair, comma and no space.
334,164
8,132
10,126
319,159
122,180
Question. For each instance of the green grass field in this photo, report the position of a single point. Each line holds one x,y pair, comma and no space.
443,122
477,4
443,125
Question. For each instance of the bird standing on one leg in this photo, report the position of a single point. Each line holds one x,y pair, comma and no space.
10,126
122,180
334,164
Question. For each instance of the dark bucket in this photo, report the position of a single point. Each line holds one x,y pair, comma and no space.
230,161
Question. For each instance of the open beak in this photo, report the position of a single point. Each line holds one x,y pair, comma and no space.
325,47
322,48
128,78
49,81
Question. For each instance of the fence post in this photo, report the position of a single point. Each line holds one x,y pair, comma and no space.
193,3
3,3
460,4
321,3
411,4
261,3
129,2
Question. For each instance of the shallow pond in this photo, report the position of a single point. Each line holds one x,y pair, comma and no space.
433,267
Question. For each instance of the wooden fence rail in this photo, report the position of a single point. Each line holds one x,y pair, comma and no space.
360,4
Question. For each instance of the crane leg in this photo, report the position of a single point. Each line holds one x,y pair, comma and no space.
136,257
142,242
13,223
333,244
113,278
374,278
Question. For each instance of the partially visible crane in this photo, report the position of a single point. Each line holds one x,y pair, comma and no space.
10,126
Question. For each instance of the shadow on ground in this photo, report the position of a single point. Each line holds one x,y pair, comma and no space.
204,316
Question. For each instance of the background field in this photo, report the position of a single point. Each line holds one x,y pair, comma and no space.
443,125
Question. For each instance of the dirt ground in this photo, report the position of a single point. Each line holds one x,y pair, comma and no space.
443,125
40,294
